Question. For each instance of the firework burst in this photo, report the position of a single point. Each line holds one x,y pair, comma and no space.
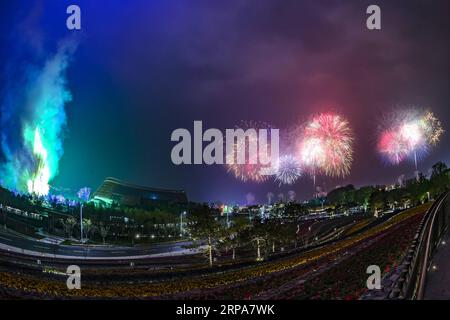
432,128
288,170
252,169
392,147
408,133
326,145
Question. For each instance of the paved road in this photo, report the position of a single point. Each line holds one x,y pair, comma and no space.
26,245
13,240
438,279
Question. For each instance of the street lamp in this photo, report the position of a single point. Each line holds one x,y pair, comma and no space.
4,215
83,194
181,222
81,222
137,236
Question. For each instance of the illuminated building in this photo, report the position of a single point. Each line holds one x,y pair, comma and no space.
114,191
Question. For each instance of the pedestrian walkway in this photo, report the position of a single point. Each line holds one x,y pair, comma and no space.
438,277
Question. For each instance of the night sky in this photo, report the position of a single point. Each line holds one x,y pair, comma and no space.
143,69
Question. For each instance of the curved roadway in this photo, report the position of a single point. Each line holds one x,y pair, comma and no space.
16,243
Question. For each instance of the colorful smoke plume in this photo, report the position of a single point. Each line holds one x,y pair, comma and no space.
33,121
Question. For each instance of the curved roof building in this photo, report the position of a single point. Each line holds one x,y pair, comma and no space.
115,191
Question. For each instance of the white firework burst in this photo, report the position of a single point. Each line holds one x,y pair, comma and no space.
288,170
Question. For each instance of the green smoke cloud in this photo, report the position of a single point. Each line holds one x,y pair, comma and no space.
33,122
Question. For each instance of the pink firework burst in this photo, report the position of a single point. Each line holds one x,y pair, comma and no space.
393,147
326,145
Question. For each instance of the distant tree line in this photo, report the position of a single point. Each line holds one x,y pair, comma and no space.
413,191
